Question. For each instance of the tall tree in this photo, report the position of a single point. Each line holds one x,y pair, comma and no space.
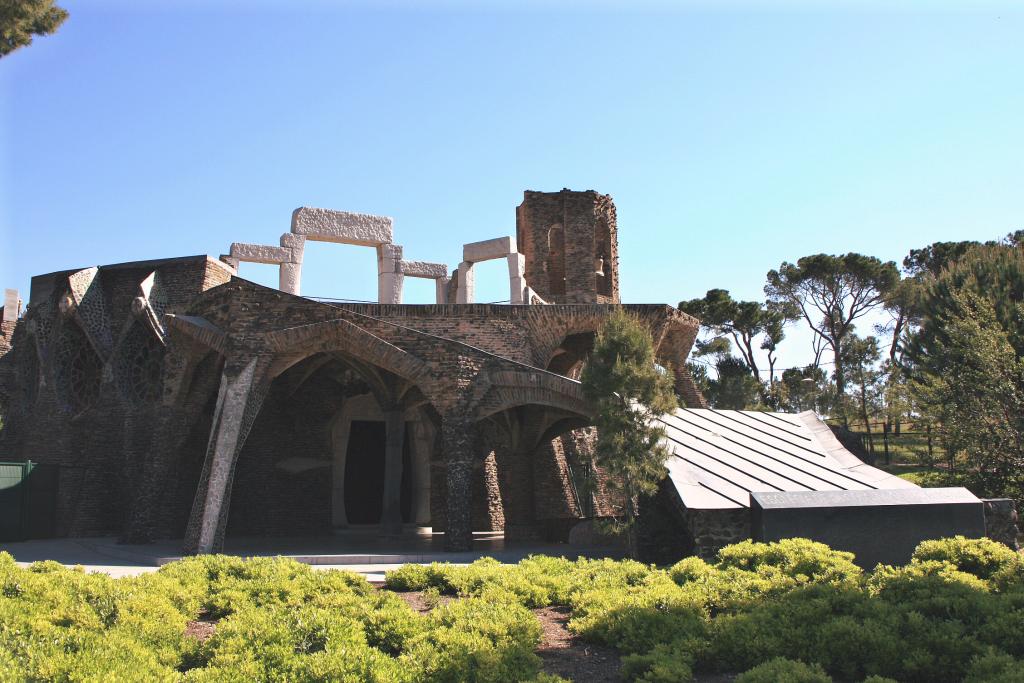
775,319
733,388
628,391
21,20
965,363
861,357
805,388
832,293
972,383
743,322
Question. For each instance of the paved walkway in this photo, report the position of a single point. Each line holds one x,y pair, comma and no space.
360,551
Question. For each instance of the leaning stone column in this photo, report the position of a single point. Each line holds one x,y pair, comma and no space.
394,442
238,401
457,434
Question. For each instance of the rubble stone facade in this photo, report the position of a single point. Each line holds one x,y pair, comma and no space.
179,400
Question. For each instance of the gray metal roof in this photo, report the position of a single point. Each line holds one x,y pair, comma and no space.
719,457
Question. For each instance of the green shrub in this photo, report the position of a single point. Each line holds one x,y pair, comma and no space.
995,667
981,557
780,670
477,640
797,558
956,612
666,663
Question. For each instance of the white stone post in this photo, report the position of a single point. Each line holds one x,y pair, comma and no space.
389,274
441,289
12,305
465,294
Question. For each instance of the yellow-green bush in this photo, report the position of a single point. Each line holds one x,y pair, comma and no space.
955,612
981,557
780,670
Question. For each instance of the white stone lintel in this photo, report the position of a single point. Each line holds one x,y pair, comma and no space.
431,271
499,247
260,253
342,227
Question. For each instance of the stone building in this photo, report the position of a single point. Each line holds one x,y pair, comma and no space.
171,398
179,400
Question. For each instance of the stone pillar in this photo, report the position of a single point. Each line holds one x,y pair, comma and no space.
457,434
394,441
422,446
465,294
238,401
389,274
516,279
290,271
515,472
12,306
441,289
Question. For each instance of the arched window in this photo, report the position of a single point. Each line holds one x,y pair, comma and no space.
556,260
79,371
140,365
602,255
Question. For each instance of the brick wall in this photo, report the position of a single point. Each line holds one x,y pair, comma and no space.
561,234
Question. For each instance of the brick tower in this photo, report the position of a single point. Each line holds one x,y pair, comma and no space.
571,246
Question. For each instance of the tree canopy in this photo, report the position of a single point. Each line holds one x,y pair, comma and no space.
832,293
21,20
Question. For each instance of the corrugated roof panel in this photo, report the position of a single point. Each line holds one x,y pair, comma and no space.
812,460
774,467
721,456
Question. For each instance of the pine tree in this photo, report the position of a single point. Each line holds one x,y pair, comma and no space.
628,390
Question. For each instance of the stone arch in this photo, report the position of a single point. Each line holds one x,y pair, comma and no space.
567,360
671,352
294,344
552,332
503,390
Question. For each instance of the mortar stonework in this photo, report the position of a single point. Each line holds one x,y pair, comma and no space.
237,436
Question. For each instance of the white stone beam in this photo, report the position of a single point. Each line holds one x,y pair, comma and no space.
342,227
259,253
500,247
430,271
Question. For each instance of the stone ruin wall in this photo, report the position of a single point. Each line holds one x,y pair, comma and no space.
562,235
97,445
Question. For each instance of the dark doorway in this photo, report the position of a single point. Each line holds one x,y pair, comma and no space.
364,473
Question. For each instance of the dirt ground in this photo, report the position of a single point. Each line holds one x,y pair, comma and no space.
566,655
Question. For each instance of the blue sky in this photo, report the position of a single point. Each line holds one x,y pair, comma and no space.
732,136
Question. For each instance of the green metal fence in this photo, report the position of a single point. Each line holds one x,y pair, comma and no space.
28,500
